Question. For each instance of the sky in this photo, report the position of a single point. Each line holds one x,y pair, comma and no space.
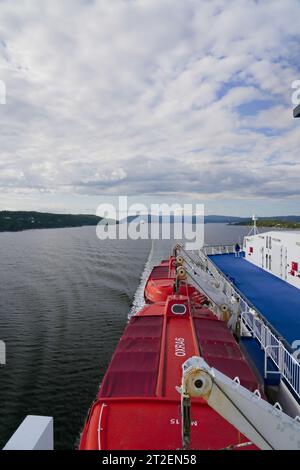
154,99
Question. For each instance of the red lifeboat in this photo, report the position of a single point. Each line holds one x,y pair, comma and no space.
161,283
138,405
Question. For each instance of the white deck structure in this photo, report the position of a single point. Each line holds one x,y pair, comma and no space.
277,253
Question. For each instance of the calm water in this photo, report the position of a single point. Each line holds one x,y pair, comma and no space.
65,297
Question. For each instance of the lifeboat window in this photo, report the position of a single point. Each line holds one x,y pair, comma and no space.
178,309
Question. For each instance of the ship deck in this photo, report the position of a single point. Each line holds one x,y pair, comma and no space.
277,300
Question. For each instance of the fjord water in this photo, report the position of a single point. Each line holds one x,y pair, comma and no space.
65,297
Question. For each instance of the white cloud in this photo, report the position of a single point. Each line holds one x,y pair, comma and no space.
137,96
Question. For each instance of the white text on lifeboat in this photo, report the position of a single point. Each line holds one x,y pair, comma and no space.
179,347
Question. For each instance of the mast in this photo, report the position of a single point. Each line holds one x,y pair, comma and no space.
254,229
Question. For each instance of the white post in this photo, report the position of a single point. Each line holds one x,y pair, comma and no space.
35,433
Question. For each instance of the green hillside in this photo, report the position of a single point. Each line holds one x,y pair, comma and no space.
11,221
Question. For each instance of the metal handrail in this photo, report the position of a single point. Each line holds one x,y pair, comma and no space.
212,302
192,263
274,349
99,426
218,249
267,355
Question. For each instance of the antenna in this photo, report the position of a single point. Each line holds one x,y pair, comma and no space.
254,229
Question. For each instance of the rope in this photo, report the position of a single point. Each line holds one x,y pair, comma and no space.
237,446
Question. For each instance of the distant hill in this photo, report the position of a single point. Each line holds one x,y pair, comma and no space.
15,221
11,221
289,221
222,219
209,219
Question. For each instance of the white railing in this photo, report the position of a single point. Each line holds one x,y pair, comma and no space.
254,322
287,365
218,249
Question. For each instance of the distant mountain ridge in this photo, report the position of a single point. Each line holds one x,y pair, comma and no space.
177,218
14,221
289,221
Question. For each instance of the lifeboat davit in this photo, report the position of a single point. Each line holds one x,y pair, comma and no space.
161,282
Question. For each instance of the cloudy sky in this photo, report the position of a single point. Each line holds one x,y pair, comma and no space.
174,98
